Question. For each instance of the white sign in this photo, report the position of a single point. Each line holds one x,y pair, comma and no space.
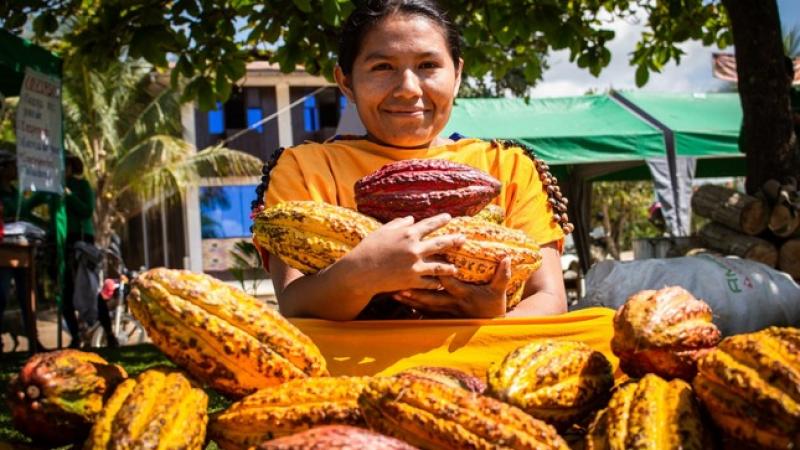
40,163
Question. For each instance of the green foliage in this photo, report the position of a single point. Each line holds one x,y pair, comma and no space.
500,36
624,205
791,42
126,129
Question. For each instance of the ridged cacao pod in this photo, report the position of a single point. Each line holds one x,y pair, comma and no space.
160,409
433,415
423,188
492,213
486,245
310,236
559,382
448,376
336,437
750,384
287,409
663,332
222,336
651,414
57,396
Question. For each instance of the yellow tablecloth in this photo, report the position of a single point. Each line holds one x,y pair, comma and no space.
388,346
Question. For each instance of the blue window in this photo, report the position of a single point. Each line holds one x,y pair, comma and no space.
225,211
311,114
342,104
216,120
254,116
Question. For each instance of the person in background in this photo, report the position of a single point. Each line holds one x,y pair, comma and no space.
79,200
9,195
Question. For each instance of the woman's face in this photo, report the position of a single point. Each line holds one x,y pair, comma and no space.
403,81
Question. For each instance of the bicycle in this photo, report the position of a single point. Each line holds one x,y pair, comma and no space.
124,327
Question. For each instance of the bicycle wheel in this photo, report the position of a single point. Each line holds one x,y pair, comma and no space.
130,333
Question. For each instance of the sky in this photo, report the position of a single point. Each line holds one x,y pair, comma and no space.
692,75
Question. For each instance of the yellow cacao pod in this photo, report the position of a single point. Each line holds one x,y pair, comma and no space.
750,385
222,336
663,332
160,409
560,382
650,414
486,245
310,236
287,409
433,415
492,213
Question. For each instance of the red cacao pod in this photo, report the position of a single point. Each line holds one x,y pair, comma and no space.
423,188
57,396
338,437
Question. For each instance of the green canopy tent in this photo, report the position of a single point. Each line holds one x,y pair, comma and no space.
16,55
611,137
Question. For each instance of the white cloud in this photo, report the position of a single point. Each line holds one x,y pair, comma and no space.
692,75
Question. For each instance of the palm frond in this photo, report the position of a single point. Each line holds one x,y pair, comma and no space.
791,42
148,155
214,165
158,116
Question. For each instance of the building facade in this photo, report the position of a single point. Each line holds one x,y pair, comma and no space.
294,108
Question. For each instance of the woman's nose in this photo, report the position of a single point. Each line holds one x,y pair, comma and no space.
408,85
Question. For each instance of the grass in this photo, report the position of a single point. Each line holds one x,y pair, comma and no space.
135,359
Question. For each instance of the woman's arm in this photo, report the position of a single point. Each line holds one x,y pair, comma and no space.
393,257
544,292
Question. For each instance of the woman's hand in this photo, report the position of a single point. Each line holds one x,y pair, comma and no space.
396,257
463,299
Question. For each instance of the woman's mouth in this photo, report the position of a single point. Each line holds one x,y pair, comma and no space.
406,112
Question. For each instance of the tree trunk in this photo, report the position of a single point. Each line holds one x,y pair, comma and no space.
731,208
767,135
730,242
789,260
610,243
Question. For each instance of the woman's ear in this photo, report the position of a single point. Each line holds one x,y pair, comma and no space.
459,69
344,83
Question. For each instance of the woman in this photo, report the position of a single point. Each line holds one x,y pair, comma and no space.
400,64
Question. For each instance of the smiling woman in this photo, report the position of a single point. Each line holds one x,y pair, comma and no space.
400,64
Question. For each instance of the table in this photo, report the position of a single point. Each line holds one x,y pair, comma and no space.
21,256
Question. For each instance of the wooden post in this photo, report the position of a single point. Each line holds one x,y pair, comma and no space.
731,242
731,208
789,259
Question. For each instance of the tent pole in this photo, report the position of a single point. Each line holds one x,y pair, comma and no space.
669,142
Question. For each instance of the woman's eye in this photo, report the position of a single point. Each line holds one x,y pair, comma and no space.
382,66
428,65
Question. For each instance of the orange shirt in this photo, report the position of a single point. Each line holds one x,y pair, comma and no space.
327,172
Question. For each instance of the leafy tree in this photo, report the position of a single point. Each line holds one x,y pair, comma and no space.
500,36
126,130
623,207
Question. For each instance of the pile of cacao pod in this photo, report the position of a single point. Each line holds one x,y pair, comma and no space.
688,388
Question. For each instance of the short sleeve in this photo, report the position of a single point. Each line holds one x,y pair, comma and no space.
286,181
528,208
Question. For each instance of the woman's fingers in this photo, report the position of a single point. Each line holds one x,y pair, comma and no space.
441,243
399,222
438,301
502,275
435,269
430,224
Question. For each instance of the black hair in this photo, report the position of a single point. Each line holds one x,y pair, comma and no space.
75,164
368,13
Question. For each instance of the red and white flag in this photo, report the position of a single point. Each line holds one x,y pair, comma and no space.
725,68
